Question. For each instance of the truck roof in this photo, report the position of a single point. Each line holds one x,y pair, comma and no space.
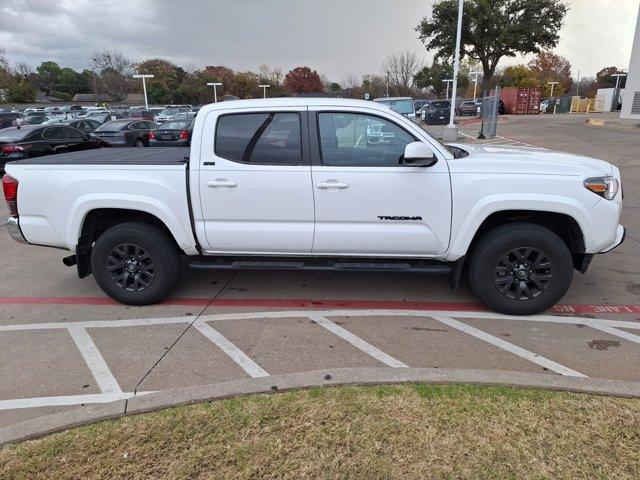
294,102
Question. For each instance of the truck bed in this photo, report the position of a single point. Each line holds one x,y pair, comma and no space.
114,156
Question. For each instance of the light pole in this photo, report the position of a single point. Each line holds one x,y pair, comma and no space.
553,84
451,132
448,81
264,90
144,87
475,82
215,86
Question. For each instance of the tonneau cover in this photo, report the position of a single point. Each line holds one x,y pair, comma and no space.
114,156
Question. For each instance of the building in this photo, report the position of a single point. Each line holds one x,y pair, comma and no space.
631,100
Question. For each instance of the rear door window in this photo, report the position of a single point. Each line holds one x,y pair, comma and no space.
260,138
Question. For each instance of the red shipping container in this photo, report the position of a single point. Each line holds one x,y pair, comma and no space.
521,101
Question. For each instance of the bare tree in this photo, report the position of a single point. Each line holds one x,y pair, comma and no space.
4,63
273,75
114,68
23,69
350,81
399,69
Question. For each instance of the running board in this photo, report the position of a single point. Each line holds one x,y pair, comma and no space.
235,263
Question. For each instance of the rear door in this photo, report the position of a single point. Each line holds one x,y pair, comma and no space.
367,202
55,139
255,182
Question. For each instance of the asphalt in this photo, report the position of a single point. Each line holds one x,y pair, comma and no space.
69,356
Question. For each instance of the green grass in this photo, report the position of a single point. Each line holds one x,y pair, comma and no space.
404,432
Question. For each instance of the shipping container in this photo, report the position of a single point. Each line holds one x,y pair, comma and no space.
521,101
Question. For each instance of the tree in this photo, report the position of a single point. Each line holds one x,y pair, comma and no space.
49,73
606,79
400,70
302,80
114,69
166,79
221,74
245,85
433,78
549,67
519,76
492,29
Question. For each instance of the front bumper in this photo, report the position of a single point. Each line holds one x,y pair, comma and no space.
621,233
13,226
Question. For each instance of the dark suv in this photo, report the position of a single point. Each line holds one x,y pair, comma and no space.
8,119
437,113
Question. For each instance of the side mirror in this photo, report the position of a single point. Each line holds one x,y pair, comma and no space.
418,154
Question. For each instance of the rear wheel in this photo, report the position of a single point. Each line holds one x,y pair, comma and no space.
139,142
135,263
520,269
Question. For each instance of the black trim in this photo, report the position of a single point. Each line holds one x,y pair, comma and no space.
192,221
581,261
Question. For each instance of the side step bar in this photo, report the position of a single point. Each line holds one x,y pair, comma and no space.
231,263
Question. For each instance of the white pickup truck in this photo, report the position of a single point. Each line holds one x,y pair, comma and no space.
321,184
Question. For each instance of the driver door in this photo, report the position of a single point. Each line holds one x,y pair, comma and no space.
367,202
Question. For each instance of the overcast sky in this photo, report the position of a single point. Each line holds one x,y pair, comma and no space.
336,37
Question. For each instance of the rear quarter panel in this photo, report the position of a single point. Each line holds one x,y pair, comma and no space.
53,200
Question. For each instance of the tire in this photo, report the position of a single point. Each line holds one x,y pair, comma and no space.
520,269
139,143
147,280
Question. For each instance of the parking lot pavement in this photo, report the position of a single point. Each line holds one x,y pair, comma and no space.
65,349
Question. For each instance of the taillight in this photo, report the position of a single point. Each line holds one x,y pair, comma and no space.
184,135
12,149
152,136
10,189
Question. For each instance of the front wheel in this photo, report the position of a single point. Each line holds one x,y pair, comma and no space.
520,269
135,263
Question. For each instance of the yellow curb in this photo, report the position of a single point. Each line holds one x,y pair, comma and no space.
595,121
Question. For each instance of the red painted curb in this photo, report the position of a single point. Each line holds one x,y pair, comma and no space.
318,304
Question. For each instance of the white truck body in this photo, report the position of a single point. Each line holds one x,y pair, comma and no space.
216,206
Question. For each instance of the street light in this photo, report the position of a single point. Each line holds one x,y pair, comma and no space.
475,82
448,81
553,84
264,90
144,87
215,86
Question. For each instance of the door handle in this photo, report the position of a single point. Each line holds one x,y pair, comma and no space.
221,182
332,184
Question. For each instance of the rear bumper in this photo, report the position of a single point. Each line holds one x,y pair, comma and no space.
621,233
13,226
168,143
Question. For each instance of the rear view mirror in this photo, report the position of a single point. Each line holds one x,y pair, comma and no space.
418,154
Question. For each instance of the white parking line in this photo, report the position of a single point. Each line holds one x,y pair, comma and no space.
357,342
95,361
237,355
618,333
509,347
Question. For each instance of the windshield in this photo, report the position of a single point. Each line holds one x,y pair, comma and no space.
169,111
114,125
400,106
13,134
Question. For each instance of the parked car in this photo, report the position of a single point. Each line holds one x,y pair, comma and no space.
257,190
33,118
86,125
437,113
8,119
172,134
17,143
103,117
126,133
169,112
467,107
402,105
418,105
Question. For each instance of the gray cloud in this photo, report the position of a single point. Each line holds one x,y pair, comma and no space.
336,37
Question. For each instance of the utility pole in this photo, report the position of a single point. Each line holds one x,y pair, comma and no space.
475,82
450,133
448,81
553,84
144,87
264,90
215,86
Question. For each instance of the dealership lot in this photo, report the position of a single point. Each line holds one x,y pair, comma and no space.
64,346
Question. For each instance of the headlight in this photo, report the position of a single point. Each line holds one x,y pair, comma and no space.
606,187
